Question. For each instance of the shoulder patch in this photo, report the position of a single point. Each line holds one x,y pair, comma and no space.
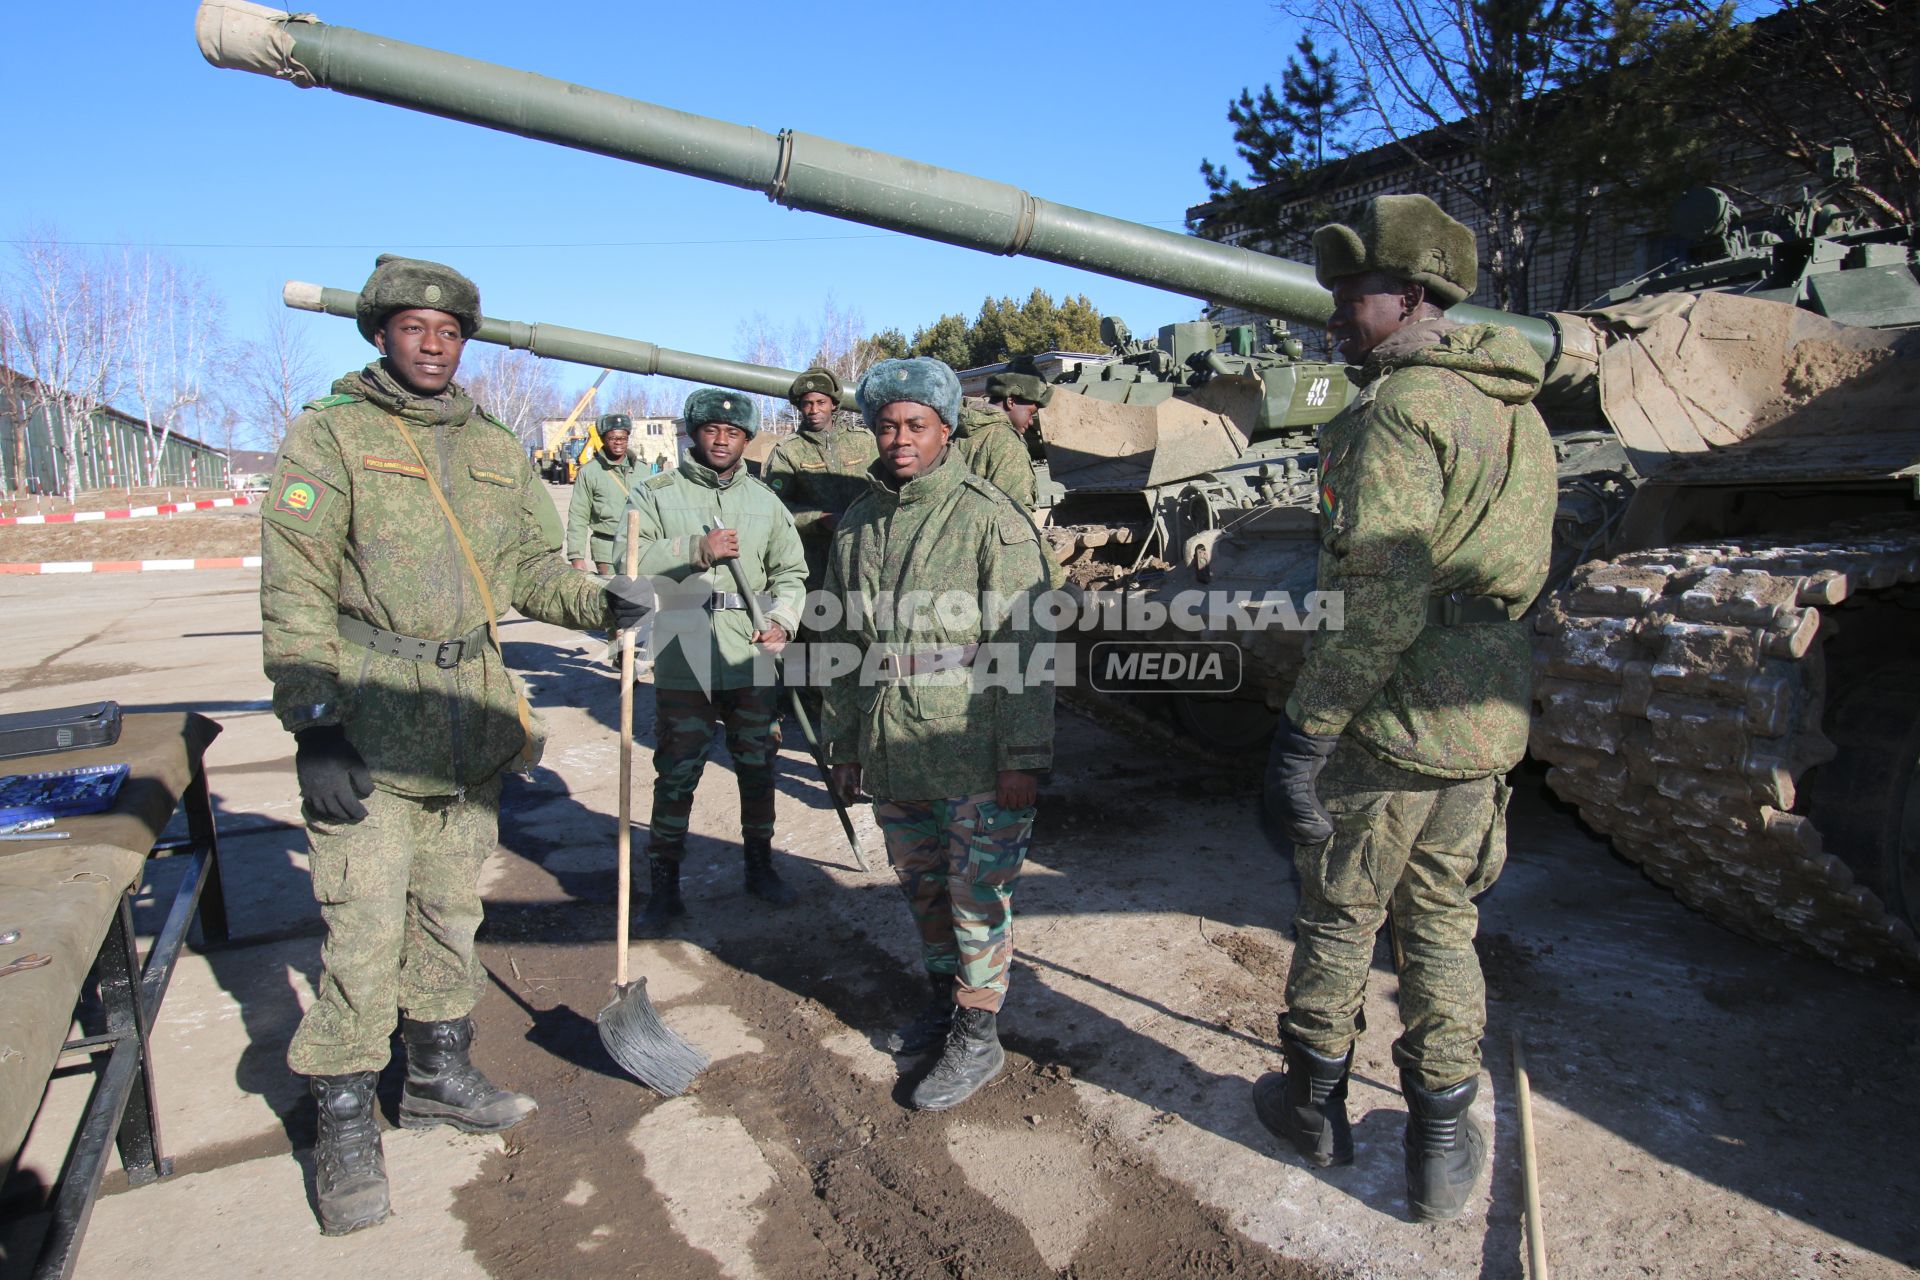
986,487
661,481
299,499
331,402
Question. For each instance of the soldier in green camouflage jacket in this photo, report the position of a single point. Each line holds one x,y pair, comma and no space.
376,638
820,469
950,712
1437,498
987,442
706,671
600,496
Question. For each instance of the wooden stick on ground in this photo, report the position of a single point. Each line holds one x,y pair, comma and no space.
1529,1173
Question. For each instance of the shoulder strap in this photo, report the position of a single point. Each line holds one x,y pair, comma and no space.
473,566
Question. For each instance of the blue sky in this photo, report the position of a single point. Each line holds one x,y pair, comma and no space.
121,133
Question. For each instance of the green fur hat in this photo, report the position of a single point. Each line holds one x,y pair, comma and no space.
1009,383
612,422
401,284
715,404
814,379
1407,237
922,380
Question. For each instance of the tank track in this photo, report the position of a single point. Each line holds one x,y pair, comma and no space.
1678,702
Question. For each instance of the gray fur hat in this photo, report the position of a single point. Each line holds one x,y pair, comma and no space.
1407,237
401,284
922,380
716,404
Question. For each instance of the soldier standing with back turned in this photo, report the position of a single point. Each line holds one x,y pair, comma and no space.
1436,503
375,620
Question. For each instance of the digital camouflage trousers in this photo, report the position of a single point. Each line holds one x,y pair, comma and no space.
1418,849
957,860
683,721
399,892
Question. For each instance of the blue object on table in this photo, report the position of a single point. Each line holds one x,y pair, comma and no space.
59,793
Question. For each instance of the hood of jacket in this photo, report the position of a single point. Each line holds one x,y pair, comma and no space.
1495,359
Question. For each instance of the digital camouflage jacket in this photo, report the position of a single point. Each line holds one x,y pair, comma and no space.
351,527
599,503
994,451
820,473
933,735
677,508
1438,478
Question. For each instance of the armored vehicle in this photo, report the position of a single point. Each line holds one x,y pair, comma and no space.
1729,675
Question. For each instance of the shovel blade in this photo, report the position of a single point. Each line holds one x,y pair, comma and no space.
645,1047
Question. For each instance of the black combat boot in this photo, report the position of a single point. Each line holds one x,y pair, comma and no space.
973,1056
1445,1148
763,881
930,1026
444,1087
349,1169
1308,1105
663,898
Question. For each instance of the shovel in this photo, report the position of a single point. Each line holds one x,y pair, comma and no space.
759,621
629,1027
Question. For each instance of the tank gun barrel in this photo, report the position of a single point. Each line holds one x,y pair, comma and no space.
797,170
580,346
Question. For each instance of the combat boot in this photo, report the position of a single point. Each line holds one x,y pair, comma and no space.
930,1026
1445,1148
763,881
973,1056
663,898
349,1169
1308,1105
444,1087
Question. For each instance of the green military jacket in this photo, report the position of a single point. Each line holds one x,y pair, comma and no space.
677,508
995,452
599,502
817,474
351,527
1438,478
939,734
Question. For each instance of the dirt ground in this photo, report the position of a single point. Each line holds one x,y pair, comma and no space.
224,531
1704,1106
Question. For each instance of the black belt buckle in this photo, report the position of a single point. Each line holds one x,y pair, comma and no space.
448,656
1452,608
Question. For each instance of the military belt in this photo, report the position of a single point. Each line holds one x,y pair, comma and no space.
1456,609
723,601
920,662
445,654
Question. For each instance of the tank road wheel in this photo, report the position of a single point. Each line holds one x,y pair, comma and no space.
1230,725
1681,704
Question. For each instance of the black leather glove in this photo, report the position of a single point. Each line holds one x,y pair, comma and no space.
333,777
1293,766
631,600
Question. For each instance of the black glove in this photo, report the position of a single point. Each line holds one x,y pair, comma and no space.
631,600
1293,765
333,777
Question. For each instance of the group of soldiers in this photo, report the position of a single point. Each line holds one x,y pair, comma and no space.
403,520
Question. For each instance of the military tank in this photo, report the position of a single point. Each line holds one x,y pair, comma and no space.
1729,672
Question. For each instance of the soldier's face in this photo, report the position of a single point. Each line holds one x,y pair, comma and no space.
1366,309
422,348
616,444
719,444
1019,412
910,436
816,409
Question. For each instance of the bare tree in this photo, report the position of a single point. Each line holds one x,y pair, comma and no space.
642,397
172,329
271,377
517,387
62,325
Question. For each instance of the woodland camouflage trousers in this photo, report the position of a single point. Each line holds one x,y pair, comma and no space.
1418,849
957,860
683,721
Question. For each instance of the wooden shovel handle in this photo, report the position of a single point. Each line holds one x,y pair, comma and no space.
625,854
